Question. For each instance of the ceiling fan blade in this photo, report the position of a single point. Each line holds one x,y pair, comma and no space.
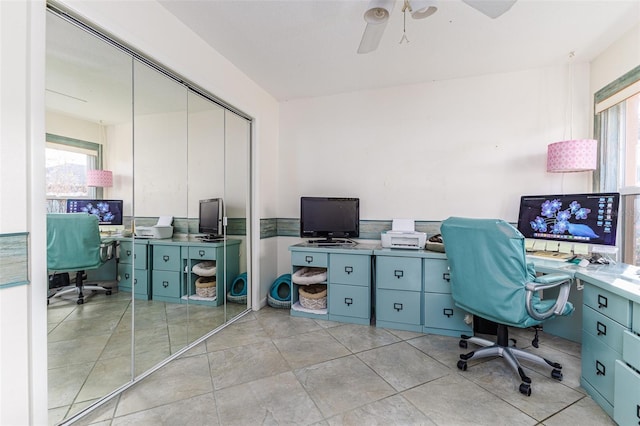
371,37
491,8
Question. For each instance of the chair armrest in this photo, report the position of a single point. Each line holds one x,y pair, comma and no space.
106,251
545,282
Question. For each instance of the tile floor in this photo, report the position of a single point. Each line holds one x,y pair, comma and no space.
89,345
273,369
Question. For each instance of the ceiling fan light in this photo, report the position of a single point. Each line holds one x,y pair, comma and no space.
378,11
421,9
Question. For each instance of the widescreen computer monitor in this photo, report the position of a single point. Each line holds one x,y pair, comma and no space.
329,217
109,212
571,218
210,217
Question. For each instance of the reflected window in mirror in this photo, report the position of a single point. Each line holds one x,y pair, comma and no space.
67,162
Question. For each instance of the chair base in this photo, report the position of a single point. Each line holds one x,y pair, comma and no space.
78,289
510,354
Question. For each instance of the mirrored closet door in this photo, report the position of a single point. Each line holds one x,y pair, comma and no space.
170,146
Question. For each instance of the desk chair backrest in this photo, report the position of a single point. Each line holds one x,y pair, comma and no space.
73,242
488,269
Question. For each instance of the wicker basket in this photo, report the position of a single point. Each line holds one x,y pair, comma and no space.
313,296
206,287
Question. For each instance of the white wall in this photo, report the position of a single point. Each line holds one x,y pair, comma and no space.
23,323
622,56
467,147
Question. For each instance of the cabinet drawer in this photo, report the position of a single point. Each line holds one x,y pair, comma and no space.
399,273
602,328
130,253
166,258
398,306
631,349
166,283
309,258
615,307
441,312
598,365
626,404
208,253
436,276
350,269
349,300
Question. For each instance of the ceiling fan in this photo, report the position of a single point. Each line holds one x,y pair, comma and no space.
378,11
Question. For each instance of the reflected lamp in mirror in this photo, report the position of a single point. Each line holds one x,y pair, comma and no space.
576,155
100,178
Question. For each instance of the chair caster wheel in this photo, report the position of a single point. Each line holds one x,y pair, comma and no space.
556,374
80,301
462,365
525,389
463,344
108,293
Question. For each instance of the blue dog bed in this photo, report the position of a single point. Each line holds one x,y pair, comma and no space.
279,295
239,285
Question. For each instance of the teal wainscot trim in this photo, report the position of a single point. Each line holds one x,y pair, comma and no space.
14,259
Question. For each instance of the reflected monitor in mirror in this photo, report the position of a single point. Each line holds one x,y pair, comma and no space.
109,212
210,219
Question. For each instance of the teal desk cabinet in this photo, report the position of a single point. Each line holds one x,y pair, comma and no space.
133,268
172,277
348,281
610,339
413,293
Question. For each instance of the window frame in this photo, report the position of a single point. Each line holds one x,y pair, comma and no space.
82,144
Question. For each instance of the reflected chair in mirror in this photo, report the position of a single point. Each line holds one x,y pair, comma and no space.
74,245
490,278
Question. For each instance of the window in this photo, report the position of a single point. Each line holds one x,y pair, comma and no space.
67,161
618,125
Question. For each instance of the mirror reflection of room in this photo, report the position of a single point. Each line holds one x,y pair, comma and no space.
139,154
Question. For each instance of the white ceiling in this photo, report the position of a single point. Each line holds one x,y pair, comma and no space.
305,48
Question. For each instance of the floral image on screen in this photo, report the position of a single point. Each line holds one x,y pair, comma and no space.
101,210
556,220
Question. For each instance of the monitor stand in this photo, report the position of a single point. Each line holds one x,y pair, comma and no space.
211,238
328,242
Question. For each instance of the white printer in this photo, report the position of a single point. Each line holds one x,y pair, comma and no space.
403,235
161,230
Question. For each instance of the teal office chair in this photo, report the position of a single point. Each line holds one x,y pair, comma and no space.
74,245
491,279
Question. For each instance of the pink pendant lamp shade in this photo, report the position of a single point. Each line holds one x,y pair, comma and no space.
578,155
101,178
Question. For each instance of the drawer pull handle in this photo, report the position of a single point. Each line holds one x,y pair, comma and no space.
128,253
638,412
600,369
165,258
602,329
135,281
308,259
602,301
348,301
398,273
348,269
448,312
397,306
201,253
127,275
165,284
446,276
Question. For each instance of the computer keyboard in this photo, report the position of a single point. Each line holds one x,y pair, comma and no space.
549,255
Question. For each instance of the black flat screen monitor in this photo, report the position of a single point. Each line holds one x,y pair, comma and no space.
572,218
109,212
329,217
210,217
